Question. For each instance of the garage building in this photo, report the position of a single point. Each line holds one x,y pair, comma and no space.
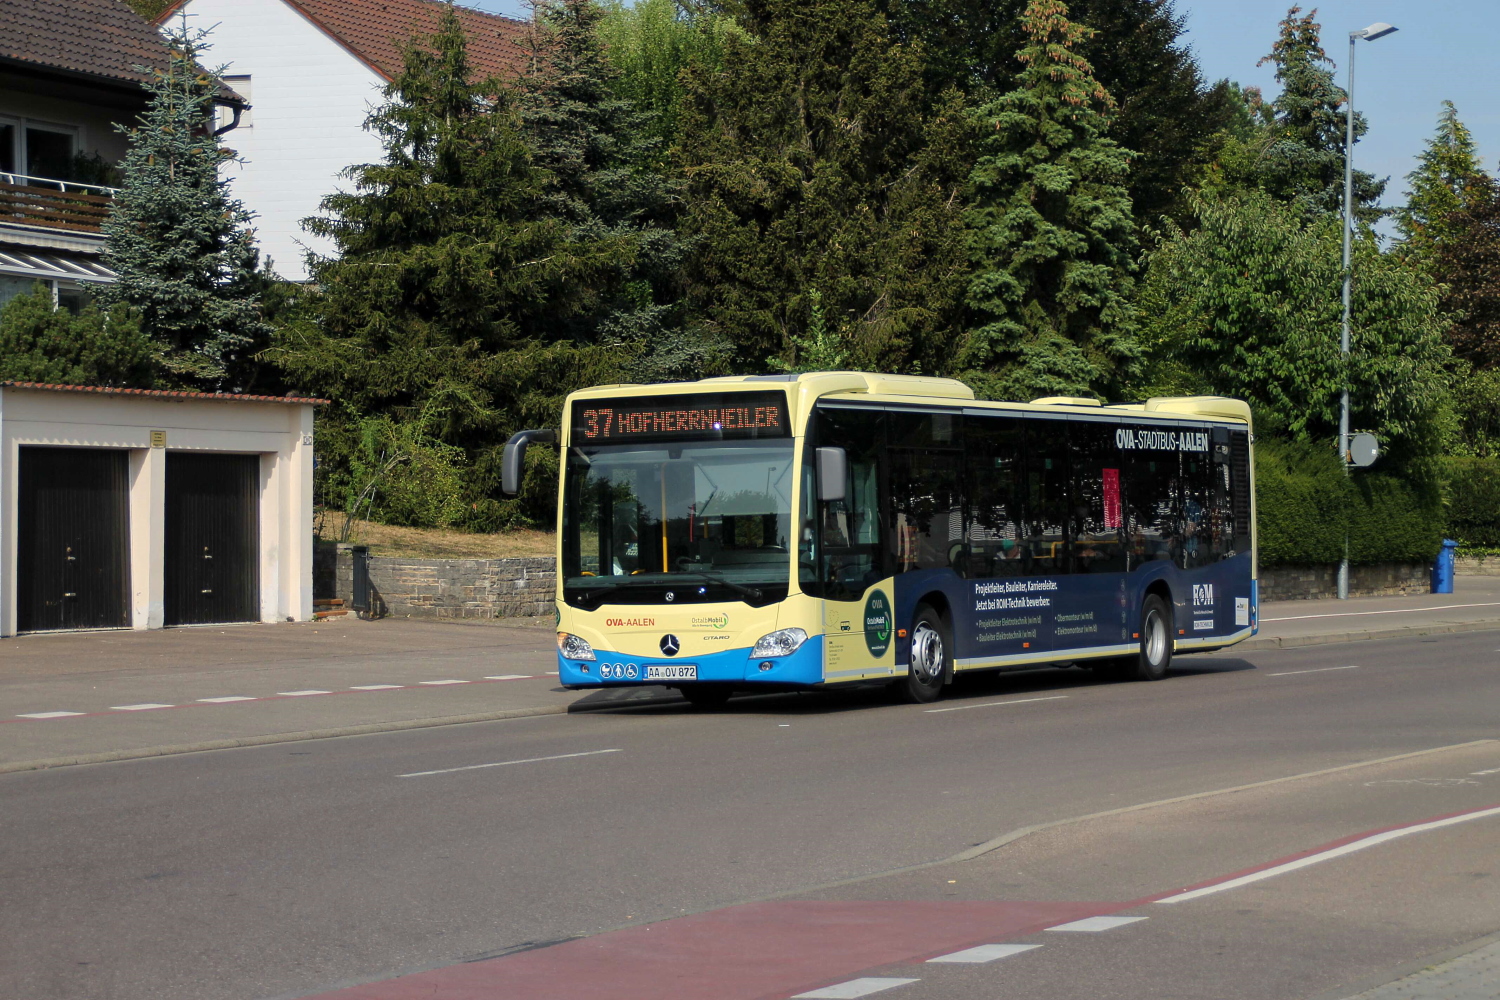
141,508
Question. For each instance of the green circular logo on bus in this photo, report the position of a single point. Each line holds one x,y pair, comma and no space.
878,623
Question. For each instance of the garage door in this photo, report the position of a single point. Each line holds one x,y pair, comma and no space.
73,551
212,539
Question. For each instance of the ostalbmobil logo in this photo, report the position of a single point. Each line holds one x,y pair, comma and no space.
719,622
878,624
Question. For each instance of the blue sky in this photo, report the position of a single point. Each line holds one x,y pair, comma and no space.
1444,50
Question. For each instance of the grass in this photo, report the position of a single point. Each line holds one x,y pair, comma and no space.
436,543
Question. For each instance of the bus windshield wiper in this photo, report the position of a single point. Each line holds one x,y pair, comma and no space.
738,588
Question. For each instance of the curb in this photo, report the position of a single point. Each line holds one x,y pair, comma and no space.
1326,638
260,741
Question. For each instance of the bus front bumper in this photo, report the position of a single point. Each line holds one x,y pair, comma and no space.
728,666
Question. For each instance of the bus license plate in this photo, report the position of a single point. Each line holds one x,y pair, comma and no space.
671,671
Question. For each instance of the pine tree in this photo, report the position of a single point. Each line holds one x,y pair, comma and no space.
1447,177
181,244
1302,162
605,182
1464,244
1050,227
813,167
42,343
435,308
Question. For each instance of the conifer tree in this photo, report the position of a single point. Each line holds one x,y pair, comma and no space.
1465,257
444,284
1443,183
1302,162
181,244
604,181
816,175
1050,227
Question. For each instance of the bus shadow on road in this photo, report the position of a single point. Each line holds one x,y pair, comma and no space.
1053,679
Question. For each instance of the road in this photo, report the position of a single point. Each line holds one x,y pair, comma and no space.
778,832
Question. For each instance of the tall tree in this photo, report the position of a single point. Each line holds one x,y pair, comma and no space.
1051,231
180,242
1166,111
1302,162
433,311
604,181
817,176
1465,257
1447,179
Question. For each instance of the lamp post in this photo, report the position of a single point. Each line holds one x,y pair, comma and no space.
1377,30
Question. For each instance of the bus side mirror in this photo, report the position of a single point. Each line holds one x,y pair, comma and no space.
513,461
833,470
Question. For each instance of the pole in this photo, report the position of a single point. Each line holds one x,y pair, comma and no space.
1343,585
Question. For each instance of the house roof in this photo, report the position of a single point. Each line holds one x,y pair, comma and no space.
377,31
94,37
211,397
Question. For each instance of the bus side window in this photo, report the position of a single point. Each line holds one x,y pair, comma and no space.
927,513
849,550
1097,528
1151,505
1197,510
996,486
1047,466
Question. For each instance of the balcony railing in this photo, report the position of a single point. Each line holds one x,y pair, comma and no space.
53,204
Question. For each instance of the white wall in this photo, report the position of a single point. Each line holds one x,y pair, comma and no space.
281,433
310,98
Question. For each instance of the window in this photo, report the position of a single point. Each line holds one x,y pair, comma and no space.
926,511
997,487
1047,474
1098,526
10,141
225,116
841,551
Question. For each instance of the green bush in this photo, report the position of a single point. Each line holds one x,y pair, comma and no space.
1473,487
1305,504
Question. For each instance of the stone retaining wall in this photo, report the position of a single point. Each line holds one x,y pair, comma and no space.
1299,583
1477,566
452,588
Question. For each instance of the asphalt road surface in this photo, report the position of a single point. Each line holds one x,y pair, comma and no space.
783,848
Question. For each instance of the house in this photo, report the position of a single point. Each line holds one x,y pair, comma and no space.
314,70
70,74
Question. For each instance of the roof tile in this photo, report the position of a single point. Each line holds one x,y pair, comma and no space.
106,390
98,37
377,31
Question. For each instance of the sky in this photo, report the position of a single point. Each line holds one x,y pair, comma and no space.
1444,50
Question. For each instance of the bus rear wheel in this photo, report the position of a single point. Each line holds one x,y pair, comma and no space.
929,660
707,697
1155,656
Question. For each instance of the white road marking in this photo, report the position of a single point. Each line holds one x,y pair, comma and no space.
992,704
509,677
138,708
507,763
854,988
434,683
376,687
227,698
300,694
1493,770
1094,924
47,715
985,953
1393,611
1314,670
1331,853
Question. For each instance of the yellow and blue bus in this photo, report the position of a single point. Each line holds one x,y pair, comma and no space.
803,531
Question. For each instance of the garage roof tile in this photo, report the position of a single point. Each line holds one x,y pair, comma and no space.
106,390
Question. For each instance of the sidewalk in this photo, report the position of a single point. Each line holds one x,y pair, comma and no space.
88,697
1470,974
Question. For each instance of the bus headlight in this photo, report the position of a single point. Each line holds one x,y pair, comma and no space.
782,642
573,647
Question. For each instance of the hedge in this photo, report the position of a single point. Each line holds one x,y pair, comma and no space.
1305,503
1473,486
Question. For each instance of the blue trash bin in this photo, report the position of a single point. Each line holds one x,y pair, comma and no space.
1442,569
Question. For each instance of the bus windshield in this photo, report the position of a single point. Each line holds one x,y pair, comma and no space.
688,522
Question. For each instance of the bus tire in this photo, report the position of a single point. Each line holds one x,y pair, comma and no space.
1151,663
929,659
707,697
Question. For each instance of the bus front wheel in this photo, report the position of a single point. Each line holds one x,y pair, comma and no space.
930,658
1155,656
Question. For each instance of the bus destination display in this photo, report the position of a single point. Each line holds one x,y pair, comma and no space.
721,416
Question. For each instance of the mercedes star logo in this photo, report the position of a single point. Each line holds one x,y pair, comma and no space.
669,645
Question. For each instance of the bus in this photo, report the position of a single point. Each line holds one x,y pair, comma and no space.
778,532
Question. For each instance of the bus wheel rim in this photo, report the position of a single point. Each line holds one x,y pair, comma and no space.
927,653
1156,638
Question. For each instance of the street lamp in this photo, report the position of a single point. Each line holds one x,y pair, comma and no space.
1377,30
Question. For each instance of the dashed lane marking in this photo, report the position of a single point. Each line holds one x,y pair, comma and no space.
448,681
854,988
509,677
139,708
299,694
1095,924
507,763
1392,611
1314,670
377,687
985,953
994,704
47,715
1476,774
1336,850
226,699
